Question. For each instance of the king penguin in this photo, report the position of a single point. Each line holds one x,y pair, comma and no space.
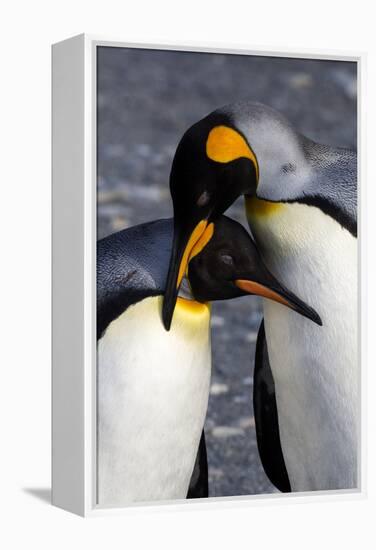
153,385
301,205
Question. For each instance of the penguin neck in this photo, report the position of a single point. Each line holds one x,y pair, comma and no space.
316,376
187,302
192,307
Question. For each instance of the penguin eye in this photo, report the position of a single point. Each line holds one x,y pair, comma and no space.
203,199
227,259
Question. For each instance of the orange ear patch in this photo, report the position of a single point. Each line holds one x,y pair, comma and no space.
225,144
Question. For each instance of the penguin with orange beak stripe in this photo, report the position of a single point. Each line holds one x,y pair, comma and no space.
228,265
153,385
301,205
204,182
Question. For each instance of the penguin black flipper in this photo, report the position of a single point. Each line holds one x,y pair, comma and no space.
199,484
266,417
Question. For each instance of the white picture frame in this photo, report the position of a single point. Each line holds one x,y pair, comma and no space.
74,283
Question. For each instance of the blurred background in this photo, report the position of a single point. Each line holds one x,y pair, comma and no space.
146,100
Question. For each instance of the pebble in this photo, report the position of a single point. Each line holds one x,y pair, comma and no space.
113,150
217,321
251,337
110,210
216,473
145,192
218,389
113,195
246,422
301,80
143,149
227,431
241,399
119,223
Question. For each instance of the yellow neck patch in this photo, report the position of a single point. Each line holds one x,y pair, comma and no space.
225,144
255,207
192,307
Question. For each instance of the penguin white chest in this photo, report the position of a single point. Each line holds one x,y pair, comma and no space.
153,389
315,368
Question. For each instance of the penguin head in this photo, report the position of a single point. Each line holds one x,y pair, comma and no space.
243,148
229,266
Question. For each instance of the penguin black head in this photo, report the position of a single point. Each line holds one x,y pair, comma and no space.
212,167
228,265
250,149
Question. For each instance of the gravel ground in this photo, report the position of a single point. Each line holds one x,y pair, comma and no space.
146,100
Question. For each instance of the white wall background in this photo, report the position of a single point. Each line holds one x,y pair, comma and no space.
27,30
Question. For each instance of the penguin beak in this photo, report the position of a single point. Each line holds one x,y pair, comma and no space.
272,289
182,248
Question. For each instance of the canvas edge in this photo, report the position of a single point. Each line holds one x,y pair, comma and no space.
68,380
89,507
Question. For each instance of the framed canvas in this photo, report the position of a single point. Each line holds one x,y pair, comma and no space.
203,352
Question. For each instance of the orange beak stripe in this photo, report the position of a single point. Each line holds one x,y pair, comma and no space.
203,241
195,236
260,290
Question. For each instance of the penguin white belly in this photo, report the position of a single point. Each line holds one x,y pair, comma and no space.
153,389
315,369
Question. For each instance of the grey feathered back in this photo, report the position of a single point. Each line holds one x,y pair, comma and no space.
334,181
131,265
